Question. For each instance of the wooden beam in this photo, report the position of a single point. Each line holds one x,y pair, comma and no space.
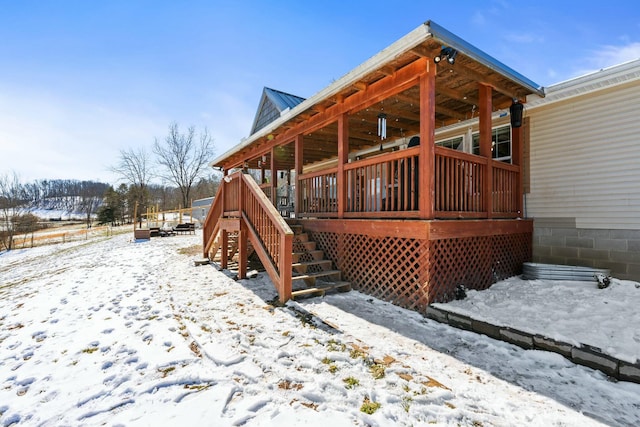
451,113
484,79
361,85
456,95
485,144
401,80
343,158
298,168
517,139
426,178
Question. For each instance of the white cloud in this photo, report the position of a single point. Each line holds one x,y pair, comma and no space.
607,56
45,137
610,55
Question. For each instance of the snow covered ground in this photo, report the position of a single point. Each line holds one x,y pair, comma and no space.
112,332
568,311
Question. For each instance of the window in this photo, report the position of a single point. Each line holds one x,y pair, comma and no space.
453,143
500,144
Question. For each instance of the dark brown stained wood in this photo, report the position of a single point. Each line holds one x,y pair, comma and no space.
485,141
476,228
230,224
343,158
373,228
427,141
419,229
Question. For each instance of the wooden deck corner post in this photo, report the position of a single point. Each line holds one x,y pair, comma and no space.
343,158
427,136
486,107
224,249
517,157
298,166
273,184
286,259
242,233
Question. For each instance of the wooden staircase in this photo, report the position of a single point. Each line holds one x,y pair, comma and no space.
232,250
312,274
242,220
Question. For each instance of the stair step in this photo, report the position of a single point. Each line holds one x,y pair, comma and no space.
297,229
300,238
304,246
316,255
322,289
305,266
318,275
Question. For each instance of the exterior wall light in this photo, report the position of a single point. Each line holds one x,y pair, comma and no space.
447,53
515,111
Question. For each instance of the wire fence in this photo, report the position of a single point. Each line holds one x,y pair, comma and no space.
50,237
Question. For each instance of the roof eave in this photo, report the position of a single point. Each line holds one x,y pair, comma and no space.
416,37
476,54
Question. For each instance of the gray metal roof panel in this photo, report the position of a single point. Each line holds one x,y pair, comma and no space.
282,100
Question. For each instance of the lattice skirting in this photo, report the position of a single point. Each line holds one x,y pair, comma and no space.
413,273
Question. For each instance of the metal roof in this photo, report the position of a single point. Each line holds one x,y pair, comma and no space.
424,38
280,100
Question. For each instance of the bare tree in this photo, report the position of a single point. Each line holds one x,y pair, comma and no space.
91,197
184,158
135,168
10,202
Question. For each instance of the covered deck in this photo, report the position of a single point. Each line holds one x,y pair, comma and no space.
361,168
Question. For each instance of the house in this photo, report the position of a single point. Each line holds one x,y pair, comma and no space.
200,208
381,197
584,168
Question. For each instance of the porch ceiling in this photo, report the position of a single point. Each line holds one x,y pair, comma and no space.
456,98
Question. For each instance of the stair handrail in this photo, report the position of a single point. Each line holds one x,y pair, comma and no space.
271,236
211,224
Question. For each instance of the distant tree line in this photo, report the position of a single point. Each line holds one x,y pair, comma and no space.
119,202
181,163
96,201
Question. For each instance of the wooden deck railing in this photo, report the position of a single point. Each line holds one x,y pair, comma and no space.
242,199
211,224
383,185
386,185
505,189
266,189
459,184
270,234
318,193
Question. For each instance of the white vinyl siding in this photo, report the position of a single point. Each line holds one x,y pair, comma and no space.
585,159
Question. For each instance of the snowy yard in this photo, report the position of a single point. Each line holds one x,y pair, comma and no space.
112,332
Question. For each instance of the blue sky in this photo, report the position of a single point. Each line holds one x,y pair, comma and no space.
81,80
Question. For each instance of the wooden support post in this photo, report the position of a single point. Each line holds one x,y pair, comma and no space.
517,149
286,259
486,107
426,162
242,250
274,178
298,166
343,158
224,249
242,233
